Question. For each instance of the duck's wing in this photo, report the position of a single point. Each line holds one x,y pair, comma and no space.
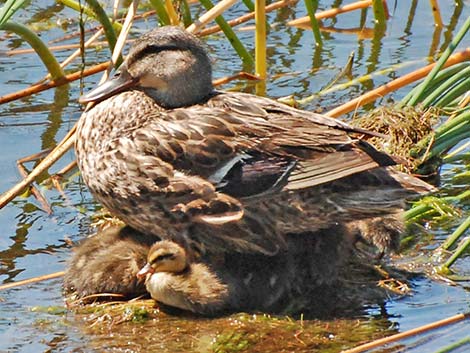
302,149
207,158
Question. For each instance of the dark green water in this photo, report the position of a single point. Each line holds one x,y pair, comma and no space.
33,243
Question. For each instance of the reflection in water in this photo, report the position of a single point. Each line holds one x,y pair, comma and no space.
410,18
9,257
61,101
452,26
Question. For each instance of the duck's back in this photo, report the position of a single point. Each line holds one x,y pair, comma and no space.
237,170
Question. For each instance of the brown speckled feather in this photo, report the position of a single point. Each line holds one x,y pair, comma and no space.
234,171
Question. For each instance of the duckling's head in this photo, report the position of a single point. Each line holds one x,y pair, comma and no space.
164,256
168,63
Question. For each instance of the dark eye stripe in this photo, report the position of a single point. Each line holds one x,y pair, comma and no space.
153,49
164,257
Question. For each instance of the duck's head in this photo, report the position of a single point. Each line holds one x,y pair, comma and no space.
168,64
164,256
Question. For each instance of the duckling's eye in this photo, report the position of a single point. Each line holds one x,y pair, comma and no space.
164,257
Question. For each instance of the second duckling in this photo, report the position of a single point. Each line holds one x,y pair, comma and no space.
108,262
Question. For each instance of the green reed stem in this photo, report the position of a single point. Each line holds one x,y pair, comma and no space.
109,32
453,138
454,346
186,13
379,12
433,204
312,6
159,6
441,87
9,8
441,77
249,5
451,97
458,154
445,136
457,253
461,229
462,118
38,45
231,36
429,78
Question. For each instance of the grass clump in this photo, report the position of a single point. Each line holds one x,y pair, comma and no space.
404,127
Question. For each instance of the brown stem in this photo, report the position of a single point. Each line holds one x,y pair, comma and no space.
381,91
44,86
19,164
227,79
66,143
55,179
412,332
247,17
54,48
32,280
67,168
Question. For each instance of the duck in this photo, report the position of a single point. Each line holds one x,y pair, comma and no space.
173,157
307,277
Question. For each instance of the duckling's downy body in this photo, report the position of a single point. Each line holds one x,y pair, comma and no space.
108,262
172,280
172,157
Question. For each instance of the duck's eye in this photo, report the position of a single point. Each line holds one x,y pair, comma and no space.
164,257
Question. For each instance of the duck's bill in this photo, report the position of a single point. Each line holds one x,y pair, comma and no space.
118,83
144,271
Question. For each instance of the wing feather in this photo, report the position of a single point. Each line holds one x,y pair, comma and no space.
241,146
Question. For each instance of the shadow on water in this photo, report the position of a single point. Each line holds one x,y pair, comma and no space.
34,318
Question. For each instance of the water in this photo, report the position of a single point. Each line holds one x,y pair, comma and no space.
33,243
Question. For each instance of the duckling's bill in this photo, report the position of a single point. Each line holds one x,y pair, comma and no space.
144,271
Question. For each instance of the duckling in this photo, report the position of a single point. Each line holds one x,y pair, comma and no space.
108,262
173,281
174,158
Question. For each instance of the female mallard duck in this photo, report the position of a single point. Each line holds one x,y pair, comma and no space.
172,157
